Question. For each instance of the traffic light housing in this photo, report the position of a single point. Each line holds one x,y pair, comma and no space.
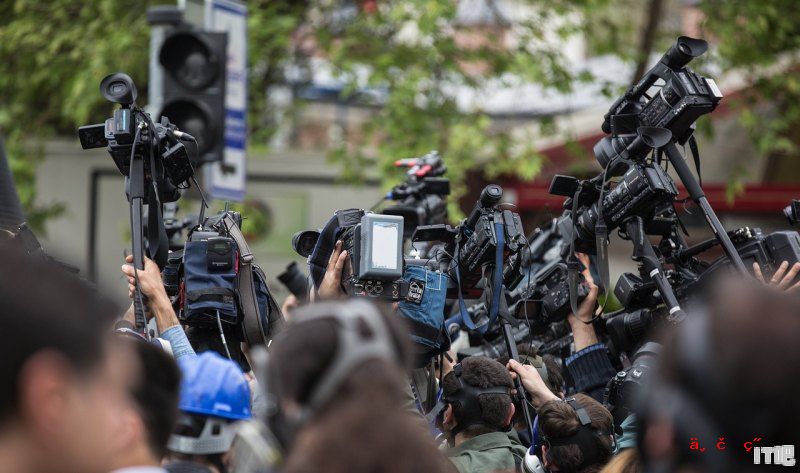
194,69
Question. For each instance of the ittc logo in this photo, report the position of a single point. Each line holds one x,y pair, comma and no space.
777,455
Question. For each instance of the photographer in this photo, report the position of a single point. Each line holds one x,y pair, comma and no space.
710,390
478,416
336,378
62,386
576,434
148,422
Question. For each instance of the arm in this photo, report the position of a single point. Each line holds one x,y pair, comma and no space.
159,305
589,366
532,381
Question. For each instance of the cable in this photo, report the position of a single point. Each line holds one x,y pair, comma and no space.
222,336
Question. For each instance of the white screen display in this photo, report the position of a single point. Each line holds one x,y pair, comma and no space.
385,237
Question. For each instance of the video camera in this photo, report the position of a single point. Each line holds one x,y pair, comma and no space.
421,197
473,245
130,133
682,98
643,189
154,162
374,243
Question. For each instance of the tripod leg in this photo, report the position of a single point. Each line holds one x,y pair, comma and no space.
697,194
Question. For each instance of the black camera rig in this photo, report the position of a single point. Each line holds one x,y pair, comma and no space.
421,197
154,162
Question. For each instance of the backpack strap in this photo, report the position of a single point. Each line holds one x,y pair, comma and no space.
255,333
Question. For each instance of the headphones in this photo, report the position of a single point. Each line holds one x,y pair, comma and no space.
467,397
585,438
362,336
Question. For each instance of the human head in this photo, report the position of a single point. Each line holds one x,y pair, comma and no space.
154,408
493,410
214,396
61,390
562,429
362,424
332,351
744,332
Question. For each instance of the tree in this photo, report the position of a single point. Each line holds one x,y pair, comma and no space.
415,51
53,54
761,39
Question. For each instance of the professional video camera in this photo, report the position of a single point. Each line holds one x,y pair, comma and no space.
155,165
131,137
374,243
682,98
489,230
421,197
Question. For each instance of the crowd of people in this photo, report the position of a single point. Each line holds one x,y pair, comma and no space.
82,391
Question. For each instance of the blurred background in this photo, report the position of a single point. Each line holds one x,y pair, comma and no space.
321,97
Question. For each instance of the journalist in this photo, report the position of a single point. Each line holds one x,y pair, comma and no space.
572,435
726,384
62,385
589,366
214,395
477,419
149,420
336,378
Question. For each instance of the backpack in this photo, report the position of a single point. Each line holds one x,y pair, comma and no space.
221,282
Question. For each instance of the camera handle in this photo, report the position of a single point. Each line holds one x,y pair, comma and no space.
697,195
513,354
643,253
135,184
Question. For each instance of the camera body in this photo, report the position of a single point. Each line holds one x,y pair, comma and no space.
374,243
622,389
549,296
473,245
170,167
643,189
769,251
681,100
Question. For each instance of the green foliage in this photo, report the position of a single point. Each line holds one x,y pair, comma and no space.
414,50
53,54
761,40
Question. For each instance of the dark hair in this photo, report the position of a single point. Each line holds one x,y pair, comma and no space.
46,308
301,354
557,419
156,394
482,372
349,434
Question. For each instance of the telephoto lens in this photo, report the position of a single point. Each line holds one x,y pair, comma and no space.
295,281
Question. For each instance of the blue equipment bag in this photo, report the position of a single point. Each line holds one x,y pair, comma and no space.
208,291
423,310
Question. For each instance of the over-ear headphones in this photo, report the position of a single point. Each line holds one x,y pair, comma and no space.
585,438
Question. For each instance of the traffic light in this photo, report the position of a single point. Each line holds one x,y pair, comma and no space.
193,63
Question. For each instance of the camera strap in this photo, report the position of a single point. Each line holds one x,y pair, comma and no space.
573,265
253,322
696,156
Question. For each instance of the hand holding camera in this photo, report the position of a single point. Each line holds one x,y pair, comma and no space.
331,286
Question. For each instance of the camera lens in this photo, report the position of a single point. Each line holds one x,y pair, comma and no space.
304,242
